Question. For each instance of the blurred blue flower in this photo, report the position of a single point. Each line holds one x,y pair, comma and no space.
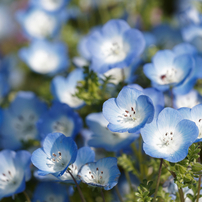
169,136
103,138
194,114
63,89
15,170
190,99
168,69
130,111
196,72
38,24
57,154
115,45
46,57
50,5
60,118
50,191
19,120
104,173
84,155
167,36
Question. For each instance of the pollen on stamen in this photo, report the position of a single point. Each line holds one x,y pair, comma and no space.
59,153
171,133
101,172
9,172
92,176
89,172
53,159
126,115
132,109
163,77
126,111
166,134
3,174
54,154
97,168
199,120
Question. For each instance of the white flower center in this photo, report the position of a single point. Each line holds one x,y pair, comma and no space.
44,61
40,24
25,127
167,139
170,76
9,181
56,161
51,4
114,50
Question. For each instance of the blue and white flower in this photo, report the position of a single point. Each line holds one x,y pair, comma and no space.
103,138
14,172
60,118
84,155
57,154
114,45
38,24
167,69
169,136
130,111
194,114
63,89
50,5
19,120
190,99
196,72
44,57
104,173
50,191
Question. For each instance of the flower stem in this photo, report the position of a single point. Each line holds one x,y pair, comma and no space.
118,193
103,198
158,180
81,195
199,188
26,196
181,194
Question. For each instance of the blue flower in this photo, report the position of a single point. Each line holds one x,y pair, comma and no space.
103,138
187,85
104,173
195,115
167,69
38,24
115,45
60,118
155,95
84,155
50,5
190,99
45,57
49,191
169,136
130,111
57,154
63,89
19,120
14,171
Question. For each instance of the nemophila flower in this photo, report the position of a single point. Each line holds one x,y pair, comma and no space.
190,99
103,138
194,114
104,173
60,118
38,24
57,154
14,171
169,136
155,95
45,57
196,72
63,89
167,69
114,45
84,155
19,120
130,111
51,192
50,5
